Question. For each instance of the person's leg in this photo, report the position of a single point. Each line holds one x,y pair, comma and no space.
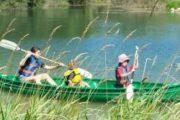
70,83
44,76
80,83
83,84
28,79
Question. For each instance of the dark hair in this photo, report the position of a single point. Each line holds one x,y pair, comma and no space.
127,61
34,49
120,64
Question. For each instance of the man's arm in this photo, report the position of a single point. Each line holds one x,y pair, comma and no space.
50,67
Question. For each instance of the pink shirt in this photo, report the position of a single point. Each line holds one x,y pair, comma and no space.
121,70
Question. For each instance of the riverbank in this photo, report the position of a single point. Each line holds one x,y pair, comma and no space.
173,6
123,4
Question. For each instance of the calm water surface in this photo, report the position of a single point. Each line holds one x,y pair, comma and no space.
160,34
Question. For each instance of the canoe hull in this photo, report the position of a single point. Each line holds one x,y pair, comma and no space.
101,90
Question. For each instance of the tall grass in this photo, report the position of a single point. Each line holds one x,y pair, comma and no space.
34,107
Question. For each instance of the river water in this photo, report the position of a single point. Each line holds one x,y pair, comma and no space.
106,36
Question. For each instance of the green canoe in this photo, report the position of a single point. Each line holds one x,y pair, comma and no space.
100,90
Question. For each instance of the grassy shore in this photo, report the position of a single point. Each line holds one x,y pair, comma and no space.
24,4
125,4
173,4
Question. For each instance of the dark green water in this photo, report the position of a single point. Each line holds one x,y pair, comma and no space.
161,32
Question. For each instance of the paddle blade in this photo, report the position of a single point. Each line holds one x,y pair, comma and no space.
85,73
129,92
9,45
137,48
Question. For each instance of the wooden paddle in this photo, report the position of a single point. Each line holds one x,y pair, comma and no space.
15,47
135,61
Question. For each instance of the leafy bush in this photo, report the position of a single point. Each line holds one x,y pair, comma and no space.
13,3
173,4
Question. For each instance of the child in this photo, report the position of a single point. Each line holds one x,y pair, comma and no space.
73,75
124,73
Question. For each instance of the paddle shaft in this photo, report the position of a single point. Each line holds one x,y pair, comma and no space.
135,62
136,56
25,51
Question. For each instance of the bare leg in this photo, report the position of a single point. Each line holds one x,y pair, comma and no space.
70,84
39,78
28,79
44,76
84,84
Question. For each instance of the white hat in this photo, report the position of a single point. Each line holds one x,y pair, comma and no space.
122,58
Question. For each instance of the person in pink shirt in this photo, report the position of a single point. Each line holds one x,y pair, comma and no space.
125,72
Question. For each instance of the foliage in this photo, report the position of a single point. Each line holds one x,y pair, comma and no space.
173,4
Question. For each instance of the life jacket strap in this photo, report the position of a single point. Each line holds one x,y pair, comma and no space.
26,71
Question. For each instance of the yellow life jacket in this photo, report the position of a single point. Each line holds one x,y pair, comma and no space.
73,75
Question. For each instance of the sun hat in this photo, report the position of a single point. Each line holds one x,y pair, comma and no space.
122,58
